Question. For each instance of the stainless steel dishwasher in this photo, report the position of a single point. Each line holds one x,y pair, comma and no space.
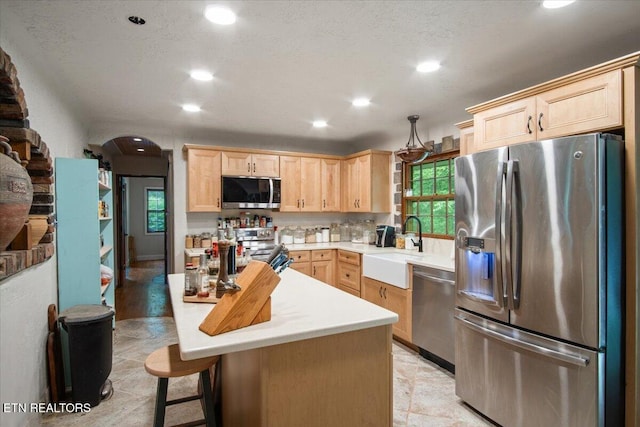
432,319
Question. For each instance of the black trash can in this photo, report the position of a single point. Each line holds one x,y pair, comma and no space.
90,351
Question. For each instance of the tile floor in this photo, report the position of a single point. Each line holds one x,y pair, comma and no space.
424,394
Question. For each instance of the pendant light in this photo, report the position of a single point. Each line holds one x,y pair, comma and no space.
413,153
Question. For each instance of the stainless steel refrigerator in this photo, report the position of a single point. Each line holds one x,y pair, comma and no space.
539,282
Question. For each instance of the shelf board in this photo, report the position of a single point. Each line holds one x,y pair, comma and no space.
103,187
106,218
105,250
103,288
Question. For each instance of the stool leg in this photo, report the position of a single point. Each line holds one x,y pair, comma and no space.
161,401
209,415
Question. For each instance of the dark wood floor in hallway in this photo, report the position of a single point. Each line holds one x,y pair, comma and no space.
144,292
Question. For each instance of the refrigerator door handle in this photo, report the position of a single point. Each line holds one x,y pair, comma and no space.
499,290
516,256
507,270
564,357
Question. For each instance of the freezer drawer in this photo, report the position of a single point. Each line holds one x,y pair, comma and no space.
521,379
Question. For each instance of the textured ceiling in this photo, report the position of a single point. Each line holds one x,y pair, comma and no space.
285,64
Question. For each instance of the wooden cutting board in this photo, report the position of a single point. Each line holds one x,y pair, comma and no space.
211,299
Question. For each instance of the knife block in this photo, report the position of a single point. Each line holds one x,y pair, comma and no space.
249,306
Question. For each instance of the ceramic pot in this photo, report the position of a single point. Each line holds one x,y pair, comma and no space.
16,194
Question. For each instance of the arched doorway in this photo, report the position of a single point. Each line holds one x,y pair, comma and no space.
142,199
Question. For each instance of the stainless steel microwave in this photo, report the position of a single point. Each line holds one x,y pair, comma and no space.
239,192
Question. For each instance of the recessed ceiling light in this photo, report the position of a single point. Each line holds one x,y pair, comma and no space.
192,108
137,139
555,4
140,149
220,15
319,124
428,66
360,102
202,75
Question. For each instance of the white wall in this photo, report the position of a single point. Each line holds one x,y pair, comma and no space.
24,297
148,246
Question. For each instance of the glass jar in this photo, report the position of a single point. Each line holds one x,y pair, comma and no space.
310,235
345,232
400,241
356,233
191,280
369,232
286,236
214,267
318,232
408,241
335,232
298,235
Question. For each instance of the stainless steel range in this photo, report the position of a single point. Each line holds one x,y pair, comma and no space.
258,241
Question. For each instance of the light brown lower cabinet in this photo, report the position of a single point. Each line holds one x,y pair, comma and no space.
392,298
348,274
318,264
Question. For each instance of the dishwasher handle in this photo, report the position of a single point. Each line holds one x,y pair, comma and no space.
433,278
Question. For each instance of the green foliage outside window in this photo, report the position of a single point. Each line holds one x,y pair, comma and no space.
155,211
430,196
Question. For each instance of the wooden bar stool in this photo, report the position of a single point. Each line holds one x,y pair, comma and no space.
165,363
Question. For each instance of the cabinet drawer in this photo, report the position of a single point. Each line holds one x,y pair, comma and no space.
300,256
349,275
348,257
322,255
302,267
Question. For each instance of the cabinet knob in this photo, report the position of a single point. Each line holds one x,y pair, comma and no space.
324,203
384,291
218,202
303,203
314,270
347,275
248,167
540,122
254,168
298,202
380,291
529,125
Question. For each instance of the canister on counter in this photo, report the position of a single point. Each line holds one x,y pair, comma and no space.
188,241
191,280
400,241
197,241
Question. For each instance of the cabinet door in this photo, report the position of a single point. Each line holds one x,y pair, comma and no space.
350,186
203,180
310,185
399,301
330,185
265,165
363,195
507,124
588,105
372,291
234,163
466,141
290,191
323,271
302,267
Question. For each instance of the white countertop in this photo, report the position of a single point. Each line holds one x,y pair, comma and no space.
433,260
301,308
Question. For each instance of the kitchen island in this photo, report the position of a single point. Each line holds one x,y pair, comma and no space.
323,359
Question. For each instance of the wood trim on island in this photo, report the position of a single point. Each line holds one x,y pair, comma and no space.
336,380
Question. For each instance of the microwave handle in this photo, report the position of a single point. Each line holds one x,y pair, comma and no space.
270,191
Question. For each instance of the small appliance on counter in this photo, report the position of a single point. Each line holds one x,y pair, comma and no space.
385,234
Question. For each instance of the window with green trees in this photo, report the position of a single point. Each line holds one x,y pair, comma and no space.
429,194
155,210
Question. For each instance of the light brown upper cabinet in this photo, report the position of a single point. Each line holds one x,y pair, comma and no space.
466,136
366,185
594,103
203,180
309,184
248,164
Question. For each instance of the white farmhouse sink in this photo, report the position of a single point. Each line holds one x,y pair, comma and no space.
388,267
